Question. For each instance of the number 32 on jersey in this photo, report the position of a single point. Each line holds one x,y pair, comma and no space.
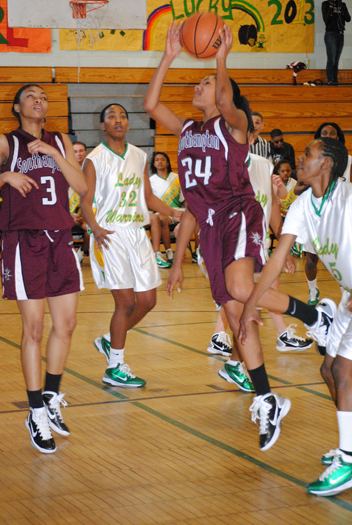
202,170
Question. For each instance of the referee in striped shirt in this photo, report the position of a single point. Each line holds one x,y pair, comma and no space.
261,146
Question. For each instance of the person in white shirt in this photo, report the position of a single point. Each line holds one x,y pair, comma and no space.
333,131
166,186
322,215
121,256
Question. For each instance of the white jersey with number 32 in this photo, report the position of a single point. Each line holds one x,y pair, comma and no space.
119,196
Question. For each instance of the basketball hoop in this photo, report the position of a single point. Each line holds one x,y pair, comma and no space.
87,26
80,10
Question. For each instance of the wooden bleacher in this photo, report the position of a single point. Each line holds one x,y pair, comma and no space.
12,78
296,110
57,118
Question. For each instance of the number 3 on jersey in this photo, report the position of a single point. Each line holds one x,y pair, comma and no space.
205,174
50,189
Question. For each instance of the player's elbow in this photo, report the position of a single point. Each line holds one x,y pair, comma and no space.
149,106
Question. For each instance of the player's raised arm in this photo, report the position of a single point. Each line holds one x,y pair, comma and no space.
226,96
152,105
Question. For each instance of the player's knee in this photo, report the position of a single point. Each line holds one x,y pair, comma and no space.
325,372
341,374
238,291
65,328
150,303
34,331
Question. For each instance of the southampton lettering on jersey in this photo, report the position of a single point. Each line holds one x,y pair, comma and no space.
35,162
198,140
115,216
136,181
327,249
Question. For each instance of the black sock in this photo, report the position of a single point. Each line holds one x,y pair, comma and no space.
35,398
52,382
260,380
302,311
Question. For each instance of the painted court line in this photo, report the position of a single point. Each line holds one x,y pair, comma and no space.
335,500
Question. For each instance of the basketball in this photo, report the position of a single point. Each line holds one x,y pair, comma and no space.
200,35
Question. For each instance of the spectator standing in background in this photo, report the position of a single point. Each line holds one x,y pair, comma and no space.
335,15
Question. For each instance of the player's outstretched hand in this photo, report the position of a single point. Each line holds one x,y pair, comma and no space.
290,266
227,38
102,237
277,181
173,45
20,182
175,276
249,314
178,215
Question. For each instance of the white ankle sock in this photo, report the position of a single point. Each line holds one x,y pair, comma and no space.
344,420
232,362
116,357
312,285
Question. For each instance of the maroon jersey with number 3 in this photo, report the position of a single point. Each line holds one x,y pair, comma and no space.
42,209
212,167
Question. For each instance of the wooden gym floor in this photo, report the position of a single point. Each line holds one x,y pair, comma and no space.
180,451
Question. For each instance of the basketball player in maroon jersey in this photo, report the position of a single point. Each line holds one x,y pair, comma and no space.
212,164
38,259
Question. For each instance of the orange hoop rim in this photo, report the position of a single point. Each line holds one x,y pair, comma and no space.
79,7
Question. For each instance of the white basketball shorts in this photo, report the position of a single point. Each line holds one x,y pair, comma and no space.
340,335
128,263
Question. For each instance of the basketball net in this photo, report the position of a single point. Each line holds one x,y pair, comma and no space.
86,26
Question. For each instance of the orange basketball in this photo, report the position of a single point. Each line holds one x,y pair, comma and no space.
200,35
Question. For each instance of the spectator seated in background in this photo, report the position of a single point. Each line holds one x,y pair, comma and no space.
284,171
79,230
260,146
280,149
166,186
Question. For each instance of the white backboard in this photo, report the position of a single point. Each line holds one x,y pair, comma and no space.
117,14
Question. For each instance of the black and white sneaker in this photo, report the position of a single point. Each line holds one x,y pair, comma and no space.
220,344
270,409
38,426
52,402
319,331
288,340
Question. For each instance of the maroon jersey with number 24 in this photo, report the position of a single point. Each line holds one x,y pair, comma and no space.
212,167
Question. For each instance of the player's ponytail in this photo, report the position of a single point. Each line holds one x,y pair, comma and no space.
241,102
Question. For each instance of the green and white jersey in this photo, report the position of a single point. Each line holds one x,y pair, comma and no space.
326,224
119,196
288,200
260,171
167,190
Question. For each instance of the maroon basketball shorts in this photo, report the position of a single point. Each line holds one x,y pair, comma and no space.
38,264
231,235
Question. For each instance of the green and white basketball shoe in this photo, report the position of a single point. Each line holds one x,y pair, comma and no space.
336,478
122,375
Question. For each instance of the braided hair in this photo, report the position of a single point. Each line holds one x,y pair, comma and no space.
337,152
